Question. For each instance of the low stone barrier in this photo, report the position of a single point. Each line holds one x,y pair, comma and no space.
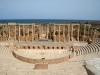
43,47
49,61
3,38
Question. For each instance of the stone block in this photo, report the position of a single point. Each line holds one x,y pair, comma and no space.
41,66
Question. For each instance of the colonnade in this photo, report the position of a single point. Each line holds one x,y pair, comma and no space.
55,32
26,31
69,30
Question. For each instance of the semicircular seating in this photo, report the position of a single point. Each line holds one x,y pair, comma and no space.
4,49
90,48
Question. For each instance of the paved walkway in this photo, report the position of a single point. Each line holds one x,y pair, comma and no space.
46,43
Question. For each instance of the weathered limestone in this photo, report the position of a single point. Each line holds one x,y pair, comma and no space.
23,31
64,32
84,29
39,31
59,33
68,32
54,32
93,65
15,32
3,29
78,33
32,32
89,25
72,33
47,31
19,32
9,32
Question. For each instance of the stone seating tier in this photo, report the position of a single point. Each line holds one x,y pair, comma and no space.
93,47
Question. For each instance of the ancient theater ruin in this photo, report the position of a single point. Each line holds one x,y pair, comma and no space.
40,46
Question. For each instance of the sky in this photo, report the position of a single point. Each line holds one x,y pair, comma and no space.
50,9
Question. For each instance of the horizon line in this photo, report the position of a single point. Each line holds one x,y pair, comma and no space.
49,19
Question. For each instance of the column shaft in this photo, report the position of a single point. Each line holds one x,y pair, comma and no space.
28,30
3,30
23,31
54,33
64,32
47,32
68,33
72,33
59,33
39,31
88,30
19,34
84,29
78,33
50,32
15,32
84,32
9,31
32,32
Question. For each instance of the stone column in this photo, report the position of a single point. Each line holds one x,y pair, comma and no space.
54,33
59,33
95,33
64,32
3,30
32,32
47,32
8,31
6,34
3,33
84,29
84,32
39,31
88,30
68,32
50,32
91,33
78,33
28,33
72,33
38,34
15,32
23,31
19,33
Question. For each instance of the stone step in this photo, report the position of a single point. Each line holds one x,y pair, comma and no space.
41,66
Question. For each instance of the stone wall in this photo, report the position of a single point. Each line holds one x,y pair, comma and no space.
49,61
46,47
55,32
3,38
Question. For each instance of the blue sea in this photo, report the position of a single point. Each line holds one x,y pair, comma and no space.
42,20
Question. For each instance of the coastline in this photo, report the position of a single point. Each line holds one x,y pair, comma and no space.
45,21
